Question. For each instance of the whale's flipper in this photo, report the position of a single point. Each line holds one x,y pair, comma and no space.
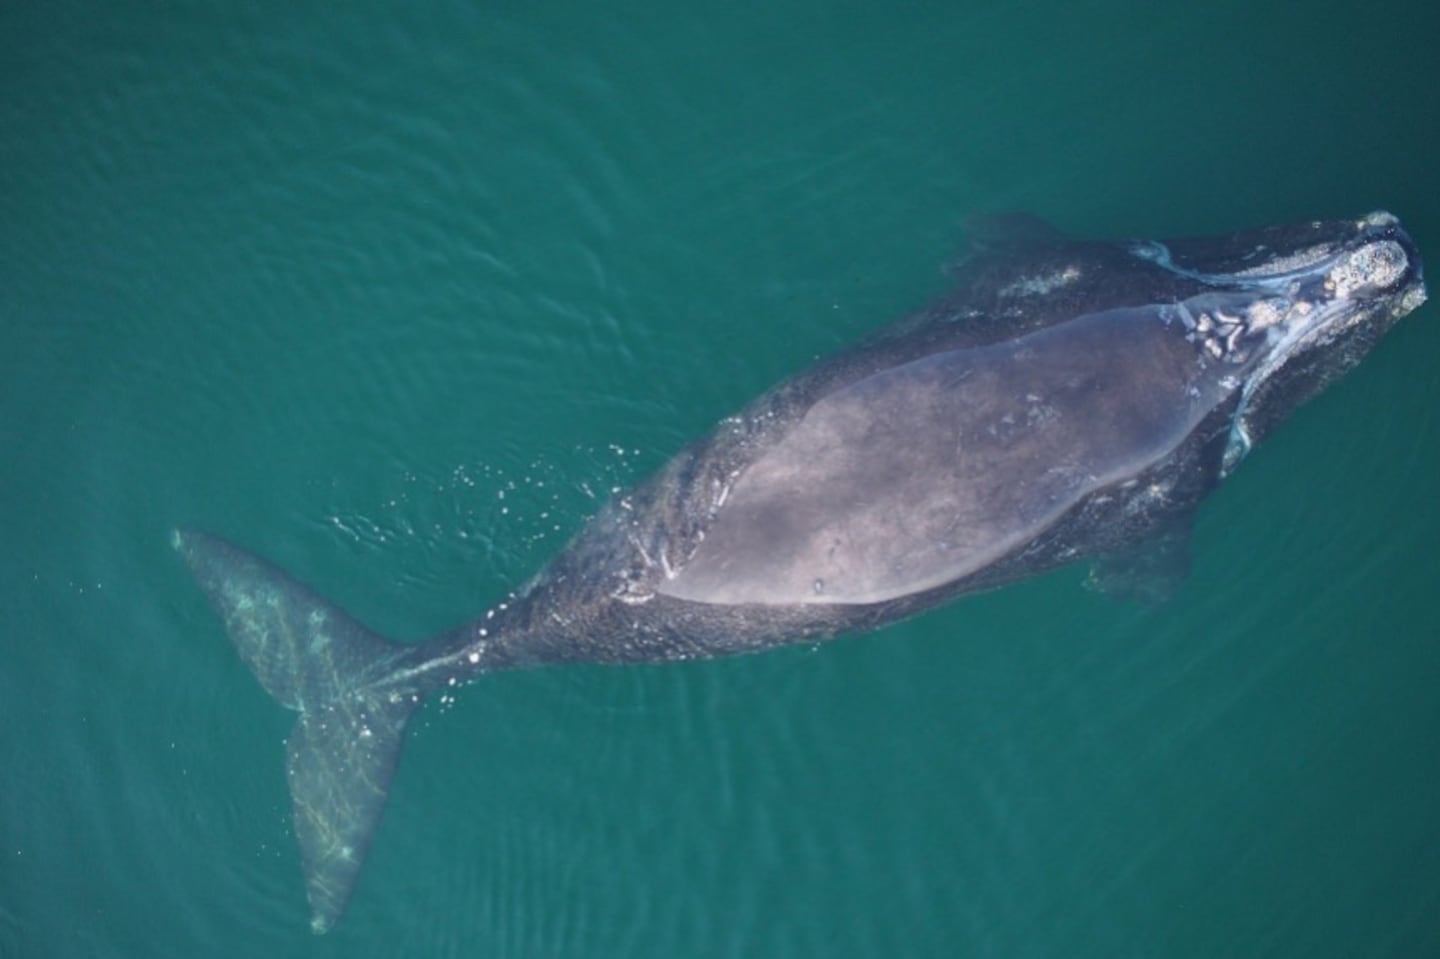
1148,573
1011,230
314,658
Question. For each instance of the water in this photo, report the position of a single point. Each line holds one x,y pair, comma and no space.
397,297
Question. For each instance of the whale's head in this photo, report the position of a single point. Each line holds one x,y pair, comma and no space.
1292,308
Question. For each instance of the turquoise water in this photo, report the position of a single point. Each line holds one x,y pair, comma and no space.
397,296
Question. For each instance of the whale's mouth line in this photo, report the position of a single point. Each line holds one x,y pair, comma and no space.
1373,257
1296,267
1313,325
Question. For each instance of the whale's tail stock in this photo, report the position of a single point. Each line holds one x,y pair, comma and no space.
340,677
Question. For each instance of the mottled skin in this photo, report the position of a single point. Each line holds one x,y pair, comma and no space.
1069,400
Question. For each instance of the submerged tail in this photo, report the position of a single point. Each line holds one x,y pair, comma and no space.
314,658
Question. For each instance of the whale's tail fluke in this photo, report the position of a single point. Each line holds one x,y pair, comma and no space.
315,659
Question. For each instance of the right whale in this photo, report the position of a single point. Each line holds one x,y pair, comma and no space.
1070,400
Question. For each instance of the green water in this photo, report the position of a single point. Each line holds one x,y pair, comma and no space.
395,294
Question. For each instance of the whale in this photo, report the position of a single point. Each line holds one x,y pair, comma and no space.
1066,401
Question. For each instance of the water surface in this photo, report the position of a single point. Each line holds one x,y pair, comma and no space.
397,297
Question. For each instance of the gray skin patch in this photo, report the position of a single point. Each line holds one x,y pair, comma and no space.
922,473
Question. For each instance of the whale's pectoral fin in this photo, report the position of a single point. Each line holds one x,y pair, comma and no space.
1002,235
1011,230
312,657
1148,573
